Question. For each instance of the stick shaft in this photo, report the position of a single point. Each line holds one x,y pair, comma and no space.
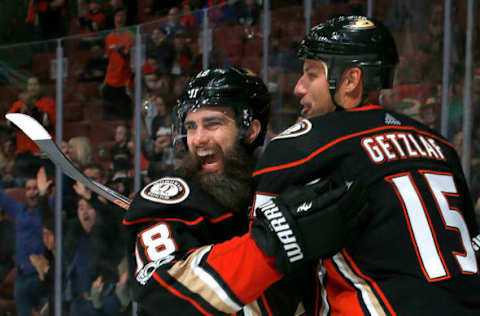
36,132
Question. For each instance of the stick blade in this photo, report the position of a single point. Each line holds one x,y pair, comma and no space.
28,125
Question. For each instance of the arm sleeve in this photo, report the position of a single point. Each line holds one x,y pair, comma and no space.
15,107
187,257
203,280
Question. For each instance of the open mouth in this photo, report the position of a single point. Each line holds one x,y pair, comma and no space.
210,160
32,200
305,109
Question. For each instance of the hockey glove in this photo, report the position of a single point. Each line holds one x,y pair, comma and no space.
315,221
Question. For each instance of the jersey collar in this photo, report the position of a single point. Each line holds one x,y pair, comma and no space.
365,108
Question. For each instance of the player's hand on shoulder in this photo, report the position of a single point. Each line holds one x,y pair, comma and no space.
315,221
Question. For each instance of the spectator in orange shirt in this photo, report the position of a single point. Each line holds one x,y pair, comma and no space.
116,102
40,107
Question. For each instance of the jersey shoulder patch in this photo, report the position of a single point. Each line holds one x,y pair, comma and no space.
167,190
300,128
172,197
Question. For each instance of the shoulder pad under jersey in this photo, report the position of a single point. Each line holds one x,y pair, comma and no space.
173,197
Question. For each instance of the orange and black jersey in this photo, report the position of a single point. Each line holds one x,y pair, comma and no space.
415,256
186,260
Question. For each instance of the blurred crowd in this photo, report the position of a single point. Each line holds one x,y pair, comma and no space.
95,275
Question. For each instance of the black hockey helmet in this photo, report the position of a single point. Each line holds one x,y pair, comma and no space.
353,41
234,87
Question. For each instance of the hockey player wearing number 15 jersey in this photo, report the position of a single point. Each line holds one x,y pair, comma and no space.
416,256
186,258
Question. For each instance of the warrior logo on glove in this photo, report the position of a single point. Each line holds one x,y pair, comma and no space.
288,226
279,225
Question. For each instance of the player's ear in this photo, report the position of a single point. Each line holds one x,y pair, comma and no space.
352,79
253,131
349,92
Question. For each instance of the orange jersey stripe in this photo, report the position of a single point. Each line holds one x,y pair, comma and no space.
166,219
339,140
265,303
343,297
365,108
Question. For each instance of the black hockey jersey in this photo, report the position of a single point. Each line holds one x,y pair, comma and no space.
179,271
415,256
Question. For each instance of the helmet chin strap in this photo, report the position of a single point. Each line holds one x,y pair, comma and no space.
332,87
338,107
243,124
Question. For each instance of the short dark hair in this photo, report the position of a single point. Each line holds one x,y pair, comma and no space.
121,9
98,166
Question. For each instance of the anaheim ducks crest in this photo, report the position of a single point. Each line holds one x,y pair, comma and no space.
300,128
166,190
361,23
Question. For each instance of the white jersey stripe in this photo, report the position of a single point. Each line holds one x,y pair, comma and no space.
247,311
367,294
139,261
210,281
325,308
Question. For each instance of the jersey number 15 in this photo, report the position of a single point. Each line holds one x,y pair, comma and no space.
420,225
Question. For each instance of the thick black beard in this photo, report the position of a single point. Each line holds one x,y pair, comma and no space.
233,188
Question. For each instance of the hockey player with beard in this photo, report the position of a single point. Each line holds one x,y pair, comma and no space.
416,255
185,256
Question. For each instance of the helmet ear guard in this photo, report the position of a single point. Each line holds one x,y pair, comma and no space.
353,41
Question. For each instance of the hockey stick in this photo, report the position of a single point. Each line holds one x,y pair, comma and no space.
36,132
